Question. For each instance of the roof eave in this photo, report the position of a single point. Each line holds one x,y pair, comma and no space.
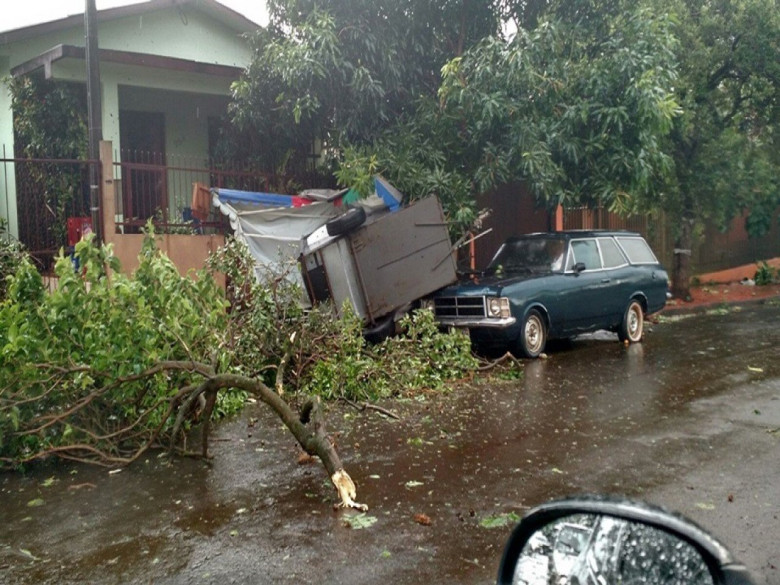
226,15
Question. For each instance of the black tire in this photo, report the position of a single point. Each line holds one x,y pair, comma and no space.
632,327
533,335
347,222
383,329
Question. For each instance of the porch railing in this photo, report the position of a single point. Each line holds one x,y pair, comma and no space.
157,186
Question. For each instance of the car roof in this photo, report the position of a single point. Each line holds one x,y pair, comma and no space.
572,234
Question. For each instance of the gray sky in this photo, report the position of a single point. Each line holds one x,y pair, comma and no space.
19,13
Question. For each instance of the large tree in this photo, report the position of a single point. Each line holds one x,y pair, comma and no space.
576,107
329,72
725,144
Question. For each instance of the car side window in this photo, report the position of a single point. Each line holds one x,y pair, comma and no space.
587,252
611,254
637,250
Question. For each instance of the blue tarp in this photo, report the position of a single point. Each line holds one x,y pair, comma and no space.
251,197
389,194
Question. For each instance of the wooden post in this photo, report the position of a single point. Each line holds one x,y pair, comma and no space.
108,203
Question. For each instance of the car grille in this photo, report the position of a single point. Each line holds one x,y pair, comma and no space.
459,307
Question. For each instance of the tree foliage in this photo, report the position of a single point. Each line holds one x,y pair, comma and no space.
50,122
108,366
79,366
724,145
329,73
576,111
577,107
660,105
11,256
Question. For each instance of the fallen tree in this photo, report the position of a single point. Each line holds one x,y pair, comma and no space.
109,366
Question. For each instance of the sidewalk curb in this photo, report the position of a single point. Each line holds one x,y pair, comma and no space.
702,308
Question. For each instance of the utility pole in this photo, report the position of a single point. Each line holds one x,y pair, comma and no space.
94,114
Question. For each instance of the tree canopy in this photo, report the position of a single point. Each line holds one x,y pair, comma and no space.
724,144
329,73
659,105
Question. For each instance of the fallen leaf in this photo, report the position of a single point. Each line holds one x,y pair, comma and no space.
731,497
413,484
28,554
48,482
359,521
499,521
757,370
422,519
305,459
705,506
35,503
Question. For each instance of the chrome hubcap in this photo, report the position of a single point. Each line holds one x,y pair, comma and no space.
533,334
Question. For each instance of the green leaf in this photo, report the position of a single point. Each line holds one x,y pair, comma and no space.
359,521
500,521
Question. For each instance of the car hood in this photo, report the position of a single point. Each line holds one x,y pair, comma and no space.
486,285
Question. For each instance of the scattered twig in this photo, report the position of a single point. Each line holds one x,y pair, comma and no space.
362,406
507,357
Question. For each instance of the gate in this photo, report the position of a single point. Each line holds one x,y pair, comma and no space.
52,204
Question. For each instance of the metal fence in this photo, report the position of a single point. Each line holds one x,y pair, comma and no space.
157,186
53,207
52,204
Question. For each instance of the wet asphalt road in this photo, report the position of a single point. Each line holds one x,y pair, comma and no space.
690,419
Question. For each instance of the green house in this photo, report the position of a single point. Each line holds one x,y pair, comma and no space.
166,67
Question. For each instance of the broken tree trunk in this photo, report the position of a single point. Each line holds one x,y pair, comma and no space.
308,428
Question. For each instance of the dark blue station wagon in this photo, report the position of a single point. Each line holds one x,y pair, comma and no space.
557,285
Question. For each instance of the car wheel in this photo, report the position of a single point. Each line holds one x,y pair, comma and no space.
533,335
347,222
632,327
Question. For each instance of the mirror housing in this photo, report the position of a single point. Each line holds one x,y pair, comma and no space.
722,566
579,267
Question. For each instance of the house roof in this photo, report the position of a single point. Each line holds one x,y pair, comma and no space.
45,60
214,9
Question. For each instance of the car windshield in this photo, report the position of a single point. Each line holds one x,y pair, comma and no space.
528,255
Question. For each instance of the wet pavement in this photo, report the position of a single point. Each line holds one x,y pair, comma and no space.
689,419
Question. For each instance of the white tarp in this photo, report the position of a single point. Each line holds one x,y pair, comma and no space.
275,235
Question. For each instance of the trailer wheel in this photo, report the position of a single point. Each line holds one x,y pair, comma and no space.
383,329
347,222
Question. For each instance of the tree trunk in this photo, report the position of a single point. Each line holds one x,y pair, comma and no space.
308,428
681,273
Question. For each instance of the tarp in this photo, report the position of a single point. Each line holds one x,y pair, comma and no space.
272,227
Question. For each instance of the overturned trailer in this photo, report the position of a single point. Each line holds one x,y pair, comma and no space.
377,256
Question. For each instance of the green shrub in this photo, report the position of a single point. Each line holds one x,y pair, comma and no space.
765,275
11,256
72,361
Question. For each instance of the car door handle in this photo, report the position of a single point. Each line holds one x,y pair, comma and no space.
605,280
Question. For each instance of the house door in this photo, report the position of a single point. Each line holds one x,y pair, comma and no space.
144,179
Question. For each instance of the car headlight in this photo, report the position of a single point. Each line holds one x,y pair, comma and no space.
498,307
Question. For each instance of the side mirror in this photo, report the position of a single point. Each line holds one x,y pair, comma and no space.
607,541
579,267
